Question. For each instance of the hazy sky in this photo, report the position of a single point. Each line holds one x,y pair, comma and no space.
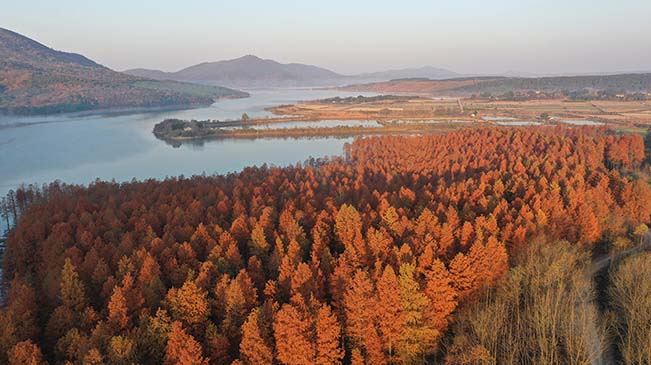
468,36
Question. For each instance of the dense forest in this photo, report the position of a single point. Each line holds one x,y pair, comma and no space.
401,252
624,82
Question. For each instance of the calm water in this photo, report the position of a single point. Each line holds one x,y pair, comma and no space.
312,124
582,122
80,149
493,119
431,121
518,123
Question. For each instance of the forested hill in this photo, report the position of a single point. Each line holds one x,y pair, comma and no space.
624,83
36,79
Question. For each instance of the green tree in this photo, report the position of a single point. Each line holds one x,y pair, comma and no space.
417,335
73,294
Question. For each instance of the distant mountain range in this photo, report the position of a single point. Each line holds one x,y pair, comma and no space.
427,72
465,86
252,71
36,79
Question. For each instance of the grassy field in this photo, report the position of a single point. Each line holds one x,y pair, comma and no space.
623,113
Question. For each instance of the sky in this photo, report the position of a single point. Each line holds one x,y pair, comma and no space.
348,36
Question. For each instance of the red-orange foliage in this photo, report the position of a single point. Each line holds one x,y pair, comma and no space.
292,334
182,348
441,294
389,310
328,337
117,308
26,353
312,249
188,304
253,349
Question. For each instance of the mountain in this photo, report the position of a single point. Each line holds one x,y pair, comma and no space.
248,71
252,71
148,74
427,72
36,79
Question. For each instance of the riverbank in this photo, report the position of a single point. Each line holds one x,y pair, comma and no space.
115,111
177,131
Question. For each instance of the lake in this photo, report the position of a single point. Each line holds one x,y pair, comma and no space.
82,148
310,124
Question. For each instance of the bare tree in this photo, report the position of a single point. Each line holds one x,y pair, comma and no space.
630,301
542,313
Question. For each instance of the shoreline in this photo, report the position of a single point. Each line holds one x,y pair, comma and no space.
321,132
120,110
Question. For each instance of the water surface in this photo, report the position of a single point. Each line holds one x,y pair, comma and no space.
582,122
494,119
311,124
518,123
82,148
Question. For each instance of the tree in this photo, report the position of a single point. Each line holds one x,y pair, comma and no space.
217,346
150,283
640,232
446,243
328,337
417,336
72,289
182,348
348,226
93,357
26,353
121,350
463,275
236,311
389,310
292,334
391,221
441,294
356,357
588,225
152,335
253,349
117,307
22,309
360,308
188,304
